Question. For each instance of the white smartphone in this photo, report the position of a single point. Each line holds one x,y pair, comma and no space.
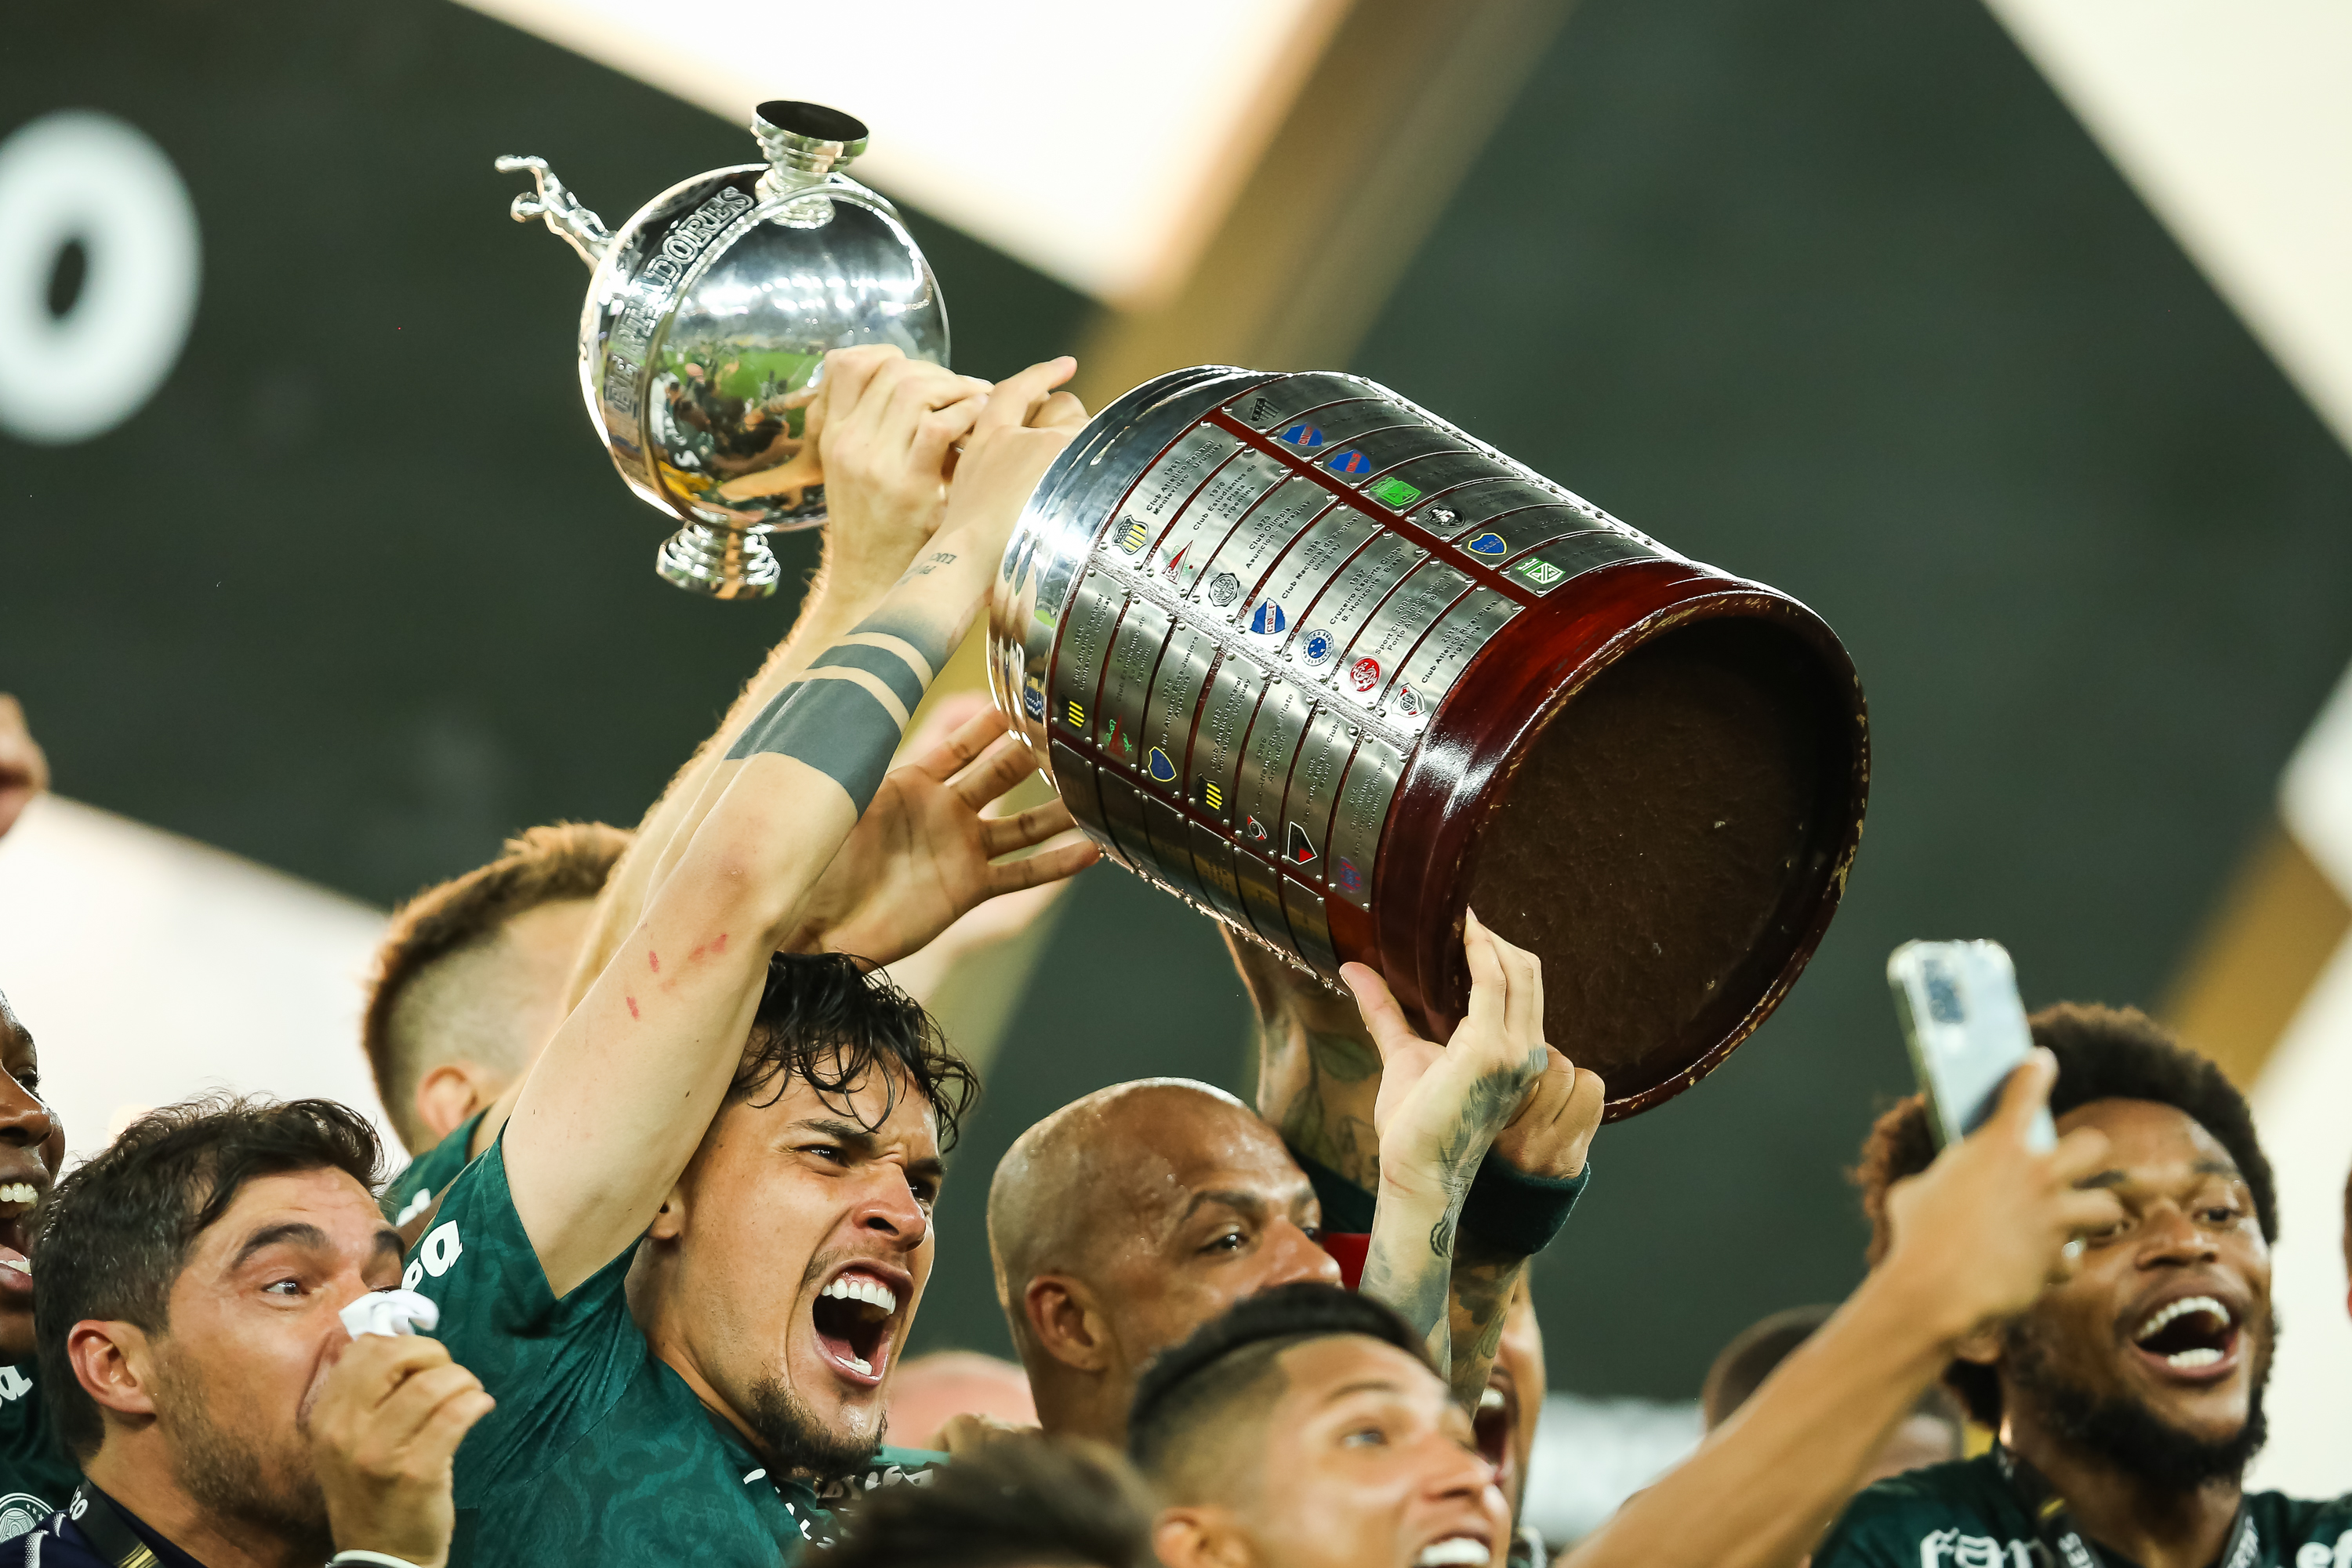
1966,1026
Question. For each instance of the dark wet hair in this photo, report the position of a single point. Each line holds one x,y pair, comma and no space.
118,1230
1030,1501
1191,1387
2104,1053
827,1023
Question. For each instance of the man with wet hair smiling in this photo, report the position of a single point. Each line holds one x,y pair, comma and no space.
1305,1429
2128,1399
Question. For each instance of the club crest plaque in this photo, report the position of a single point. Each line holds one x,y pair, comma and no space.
1332,671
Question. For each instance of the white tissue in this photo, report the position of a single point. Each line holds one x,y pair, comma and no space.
391,1312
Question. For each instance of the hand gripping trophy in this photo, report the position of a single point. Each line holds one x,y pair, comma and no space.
709,316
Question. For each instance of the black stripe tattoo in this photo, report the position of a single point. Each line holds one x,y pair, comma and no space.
837,727
927,639
891,669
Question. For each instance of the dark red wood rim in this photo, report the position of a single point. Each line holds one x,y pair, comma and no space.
1459,779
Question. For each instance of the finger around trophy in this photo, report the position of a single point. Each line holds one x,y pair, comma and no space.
1020,397
1385,1020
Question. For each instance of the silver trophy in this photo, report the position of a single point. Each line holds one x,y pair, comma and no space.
708,320
1335,671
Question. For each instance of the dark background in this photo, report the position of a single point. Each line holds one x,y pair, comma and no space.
1835,295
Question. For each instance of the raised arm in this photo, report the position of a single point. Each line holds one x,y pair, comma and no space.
1977,1235
1437,1113
620,1100
1319,1081
886,427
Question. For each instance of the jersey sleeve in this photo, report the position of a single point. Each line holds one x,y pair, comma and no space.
554,1366
412,1191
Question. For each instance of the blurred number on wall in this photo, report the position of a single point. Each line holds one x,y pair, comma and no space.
100,263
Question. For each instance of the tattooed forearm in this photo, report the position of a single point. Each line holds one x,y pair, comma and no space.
921,641
1417,1293
845,714
844,722
1482,1290
1411,1263
1329,1119
929,564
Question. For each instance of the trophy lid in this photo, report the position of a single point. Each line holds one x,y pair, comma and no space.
807,138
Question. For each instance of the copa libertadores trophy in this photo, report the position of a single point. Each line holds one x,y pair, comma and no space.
1332,670
708,317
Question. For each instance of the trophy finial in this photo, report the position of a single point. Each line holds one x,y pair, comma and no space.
553,201
804,142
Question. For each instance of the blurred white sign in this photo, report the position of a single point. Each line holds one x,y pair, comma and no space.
1099,143
2234,122
150,968
77,362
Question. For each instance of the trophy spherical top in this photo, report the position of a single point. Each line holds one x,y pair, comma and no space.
708,320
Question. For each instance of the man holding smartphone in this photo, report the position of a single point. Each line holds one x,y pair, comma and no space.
2127,1400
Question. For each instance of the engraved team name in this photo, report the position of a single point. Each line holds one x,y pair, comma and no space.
652,286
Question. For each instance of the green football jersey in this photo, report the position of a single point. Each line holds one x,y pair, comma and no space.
597,1451
412,1191
1968,1515
35,1477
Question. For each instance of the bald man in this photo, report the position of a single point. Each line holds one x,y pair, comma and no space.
1127,1219
1124,1221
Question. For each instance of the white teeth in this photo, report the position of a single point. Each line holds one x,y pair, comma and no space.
2185,1360
19,1193
857,1287
2171,1311
1490,1400
21,1265
863,1366
1464,1550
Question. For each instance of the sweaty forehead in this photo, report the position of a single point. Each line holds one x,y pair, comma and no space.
2148,1140
1159,1149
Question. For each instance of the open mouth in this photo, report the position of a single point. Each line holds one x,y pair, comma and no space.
1454,1551
1492,1426
854,1317
2192,1334
18,1200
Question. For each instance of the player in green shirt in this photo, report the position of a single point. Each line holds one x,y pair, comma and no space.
1985,1512
1973,1240
467,984
2128,1399
686,1268
474,974
35,1477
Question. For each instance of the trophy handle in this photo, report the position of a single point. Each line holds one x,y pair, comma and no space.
724,563
553,201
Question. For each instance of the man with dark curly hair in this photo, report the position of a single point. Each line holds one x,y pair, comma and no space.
688,1262
2128,1399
